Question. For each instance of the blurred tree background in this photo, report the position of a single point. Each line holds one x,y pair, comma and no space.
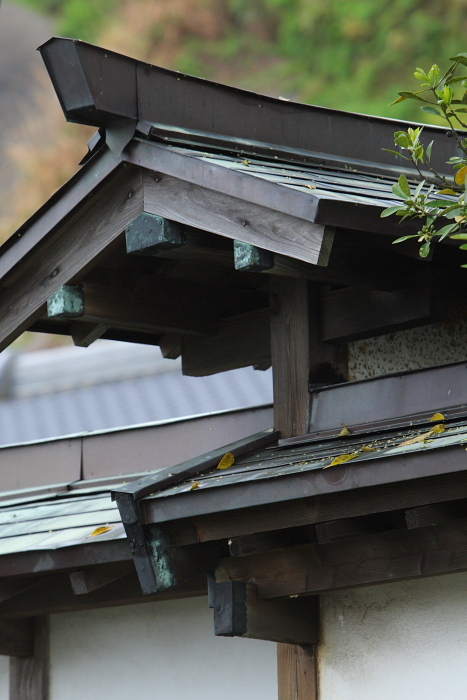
348,54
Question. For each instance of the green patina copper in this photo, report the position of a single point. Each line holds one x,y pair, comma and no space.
249,257
66,302
148,234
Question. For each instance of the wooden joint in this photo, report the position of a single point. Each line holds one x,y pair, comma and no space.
248,257
95,577
84,334
17,637
239,613
149,234
66,302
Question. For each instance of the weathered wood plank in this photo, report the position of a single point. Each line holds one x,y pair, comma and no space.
242,340
84,334
56,595
29,677
390,556
309,511
297,672
16,637
239,613
290,344
423,516
72,247
351,313
92,578
149,303
232,217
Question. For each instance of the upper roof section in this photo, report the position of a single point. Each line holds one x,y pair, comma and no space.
100,87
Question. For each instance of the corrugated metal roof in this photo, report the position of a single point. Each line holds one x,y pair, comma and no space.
67,391
283,461
60,521
344,184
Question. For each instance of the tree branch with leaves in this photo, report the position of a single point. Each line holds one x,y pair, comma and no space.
444,95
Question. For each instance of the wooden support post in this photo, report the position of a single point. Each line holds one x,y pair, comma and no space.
248,257
299,358
29,677
148,234
238,613
297,672
84,334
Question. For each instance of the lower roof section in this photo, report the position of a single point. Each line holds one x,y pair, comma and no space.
109,455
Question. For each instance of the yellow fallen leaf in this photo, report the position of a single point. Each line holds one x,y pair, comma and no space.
226,461
440,428
367,448
311,187
341,459
345,431
461,175
448,191
100,531
436,416
194,486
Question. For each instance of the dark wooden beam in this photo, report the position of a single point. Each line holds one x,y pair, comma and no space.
242,340
72,247
191,565
235,218
297,672
29,677
94,577
84,334
309,511
390,556
16,637
299,358
434,514
290,342
239,613
351,313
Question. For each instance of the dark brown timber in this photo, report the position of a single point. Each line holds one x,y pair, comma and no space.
239,613
242,340
16,637
297,672
350,313
390,556
74,245
29,677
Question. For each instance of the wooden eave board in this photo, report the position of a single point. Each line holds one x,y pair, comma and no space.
280,474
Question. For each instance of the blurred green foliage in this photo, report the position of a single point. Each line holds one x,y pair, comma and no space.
348,54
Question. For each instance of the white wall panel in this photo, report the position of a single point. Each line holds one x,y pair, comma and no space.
4,677
158,651
404,641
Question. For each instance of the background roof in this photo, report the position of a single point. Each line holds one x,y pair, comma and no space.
70,390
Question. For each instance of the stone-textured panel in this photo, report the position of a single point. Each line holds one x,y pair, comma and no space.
416,348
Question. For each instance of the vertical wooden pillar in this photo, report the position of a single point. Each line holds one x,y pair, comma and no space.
290,353
299,358
29,676
297,672
298,355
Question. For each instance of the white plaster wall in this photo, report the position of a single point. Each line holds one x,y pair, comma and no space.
416,348
399,641
156,651
4,677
